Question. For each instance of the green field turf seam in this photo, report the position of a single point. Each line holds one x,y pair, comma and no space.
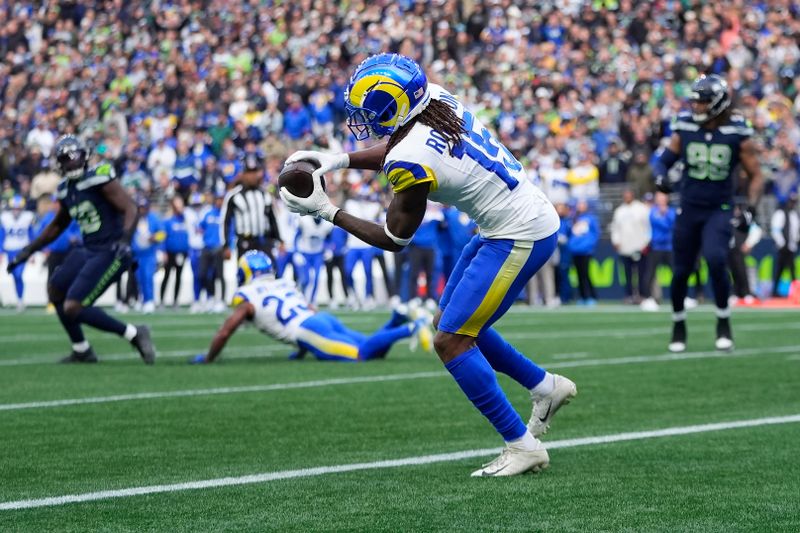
383,464
636,359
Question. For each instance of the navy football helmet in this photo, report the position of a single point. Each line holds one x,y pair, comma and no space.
711,90
71,156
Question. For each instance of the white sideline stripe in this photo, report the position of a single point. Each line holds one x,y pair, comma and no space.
637,359
390,463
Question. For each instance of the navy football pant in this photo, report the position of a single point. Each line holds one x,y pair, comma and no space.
701,230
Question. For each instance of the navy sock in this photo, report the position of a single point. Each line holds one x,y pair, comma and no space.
506,359
97,318
73,327
378,344
476,378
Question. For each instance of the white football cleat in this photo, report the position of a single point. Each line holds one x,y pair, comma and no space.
677,347
544,407
514,461
724,344
649,305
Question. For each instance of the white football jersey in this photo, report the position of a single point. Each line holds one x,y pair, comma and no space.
312,235
16,230
280,306
481,178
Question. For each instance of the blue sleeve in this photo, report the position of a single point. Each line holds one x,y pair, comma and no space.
2,237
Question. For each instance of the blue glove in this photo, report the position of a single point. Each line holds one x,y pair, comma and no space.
199,359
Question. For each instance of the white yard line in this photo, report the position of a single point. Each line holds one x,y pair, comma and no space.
390,463
638,359
219,390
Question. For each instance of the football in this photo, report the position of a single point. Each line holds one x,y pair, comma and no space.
297,179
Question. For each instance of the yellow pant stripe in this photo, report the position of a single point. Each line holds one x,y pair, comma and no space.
324,344
497,290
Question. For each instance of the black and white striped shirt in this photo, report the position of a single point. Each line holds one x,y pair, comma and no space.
251,210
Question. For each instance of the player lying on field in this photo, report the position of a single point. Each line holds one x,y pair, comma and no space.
279,309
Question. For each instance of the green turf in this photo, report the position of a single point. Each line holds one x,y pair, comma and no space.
732,480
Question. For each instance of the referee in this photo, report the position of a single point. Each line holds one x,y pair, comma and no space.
251,210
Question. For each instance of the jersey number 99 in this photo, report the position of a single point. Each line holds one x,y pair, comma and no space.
708,161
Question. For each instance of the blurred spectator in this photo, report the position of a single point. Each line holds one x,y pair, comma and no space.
16,232
746,234
662,224
583,238
176,247
630,235
640,174
334,254
614,168
785,231
146,241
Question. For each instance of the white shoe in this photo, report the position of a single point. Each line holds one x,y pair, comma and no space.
514,461
195,308
20,307
218,307
689,303
394,302
724,344
148,308
334,304
369,304
649,305
545,407
677,347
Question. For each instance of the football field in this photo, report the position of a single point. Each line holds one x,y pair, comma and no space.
700,441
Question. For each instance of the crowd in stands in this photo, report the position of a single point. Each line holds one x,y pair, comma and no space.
581,91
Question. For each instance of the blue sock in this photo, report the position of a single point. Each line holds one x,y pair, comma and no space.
476,378
378,344
506,359
19,285
73,327
97,318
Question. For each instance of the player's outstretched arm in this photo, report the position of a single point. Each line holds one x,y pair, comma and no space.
244,311
367,159
749,157
57,226
403,217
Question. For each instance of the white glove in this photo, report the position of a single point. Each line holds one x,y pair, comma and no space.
327,162
317,204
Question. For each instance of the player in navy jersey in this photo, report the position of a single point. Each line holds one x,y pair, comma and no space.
712,141
94,198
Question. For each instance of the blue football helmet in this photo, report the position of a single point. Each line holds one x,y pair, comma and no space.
384,93
711,90
252,265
